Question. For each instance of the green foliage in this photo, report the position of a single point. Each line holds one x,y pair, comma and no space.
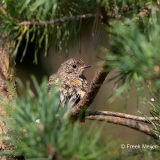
155,112
134,54
42,12
54,134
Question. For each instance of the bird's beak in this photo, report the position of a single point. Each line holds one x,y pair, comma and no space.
87,66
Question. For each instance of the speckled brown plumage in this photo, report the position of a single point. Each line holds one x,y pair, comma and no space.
71,81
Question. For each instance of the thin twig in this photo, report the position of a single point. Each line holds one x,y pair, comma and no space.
60,20
126,122
106,15
4,12
122,115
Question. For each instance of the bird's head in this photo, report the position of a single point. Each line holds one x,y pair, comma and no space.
73,66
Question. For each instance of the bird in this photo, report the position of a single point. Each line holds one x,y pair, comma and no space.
71,82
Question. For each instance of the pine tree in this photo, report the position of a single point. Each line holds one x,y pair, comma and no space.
32,126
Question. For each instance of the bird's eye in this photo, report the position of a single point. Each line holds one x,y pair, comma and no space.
74,66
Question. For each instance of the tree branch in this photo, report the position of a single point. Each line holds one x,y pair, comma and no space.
59,20
121,115
105,15
126,122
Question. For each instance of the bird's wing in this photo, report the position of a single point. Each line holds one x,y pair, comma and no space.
70,90
73,91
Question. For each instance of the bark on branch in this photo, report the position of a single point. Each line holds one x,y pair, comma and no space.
126,122
60,20
121,115
6,75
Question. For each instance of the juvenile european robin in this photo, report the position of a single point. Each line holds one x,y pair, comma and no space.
71,81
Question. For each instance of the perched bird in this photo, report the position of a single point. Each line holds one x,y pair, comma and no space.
71,81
